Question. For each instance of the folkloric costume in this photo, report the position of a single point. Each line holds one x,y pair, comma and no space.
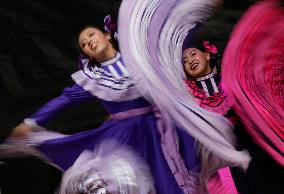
135,127
133,123
210,95
151,34
208,90
153,133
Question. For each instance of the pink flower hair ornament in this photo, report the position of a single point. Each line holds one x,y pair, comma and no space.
210,48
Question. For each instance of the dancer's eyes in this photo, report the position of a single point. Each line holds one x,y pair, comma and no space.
91,34
184,60
83,45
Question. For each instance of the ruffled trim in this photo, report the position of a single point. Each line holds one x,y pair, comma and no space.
219,102
210,75
106,85
108,168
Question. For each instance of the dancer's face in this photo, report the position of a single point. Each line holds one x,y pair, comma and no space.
196,62
95,43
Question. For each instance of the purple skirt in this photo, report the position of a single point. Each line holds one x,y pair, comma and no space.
140,133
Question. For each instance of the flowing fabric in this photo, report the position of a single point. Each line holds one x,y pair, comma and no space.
222,182
253,74
133,123
219,102
151,34
108,168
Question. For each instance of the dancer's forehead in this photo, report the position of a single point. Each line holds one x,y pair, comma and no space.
87,31
188,51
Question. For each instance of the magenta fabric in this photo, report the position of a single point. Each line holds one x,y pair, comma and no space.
220,102
222,182
253,73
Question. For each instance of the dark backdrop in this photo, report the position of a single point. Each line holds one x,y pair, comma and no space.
38,54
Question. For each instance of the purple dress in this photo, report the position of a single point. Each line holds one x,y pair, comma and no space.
133,123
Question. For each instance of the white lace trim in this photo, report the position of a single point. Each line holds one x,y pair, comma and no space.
210,75
111,61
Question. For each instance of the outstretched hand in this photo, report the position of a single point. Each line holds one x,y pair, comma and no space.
22,130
